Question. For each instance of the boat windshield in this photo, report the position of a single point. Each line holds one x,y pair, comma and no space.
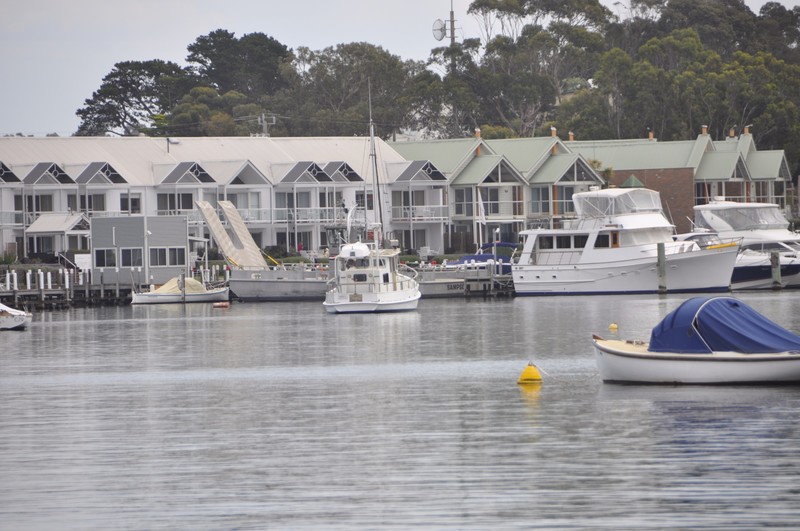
745,218
603,203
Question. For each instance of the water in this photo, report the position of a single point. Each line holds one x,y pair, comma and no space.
281,416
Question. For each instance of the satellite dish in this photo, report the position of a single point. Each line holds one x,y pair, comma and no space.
439,30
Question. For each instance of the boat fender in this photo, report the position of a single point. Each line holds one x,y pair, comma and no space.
224,304
613,326
530,375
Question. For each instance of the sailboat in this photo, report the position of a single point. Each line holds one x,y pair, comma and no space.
368,275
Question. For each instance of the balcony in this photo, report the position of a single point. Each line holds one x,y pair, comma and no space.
420,213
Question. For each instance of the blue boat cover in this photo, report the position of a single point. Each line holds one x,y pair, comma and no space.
711,324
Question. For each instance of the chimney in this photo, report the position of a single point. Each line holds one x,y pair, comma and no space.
704,128
746,130
478,136
477,132
553,131
650,135
571,136
731,132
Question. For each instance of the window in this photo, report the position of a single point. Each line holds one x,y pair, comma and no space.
463,201
360,200
602,241
39,203
105,258
172,202
563,242
167,256
540,200
545,242
87,203
130,257
131,203
580,240
491,200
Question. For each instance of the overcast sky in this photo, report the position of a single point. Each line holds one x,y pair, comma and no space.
55,53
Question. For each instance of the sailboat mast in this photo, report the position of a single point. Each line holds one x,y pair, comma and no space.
374,162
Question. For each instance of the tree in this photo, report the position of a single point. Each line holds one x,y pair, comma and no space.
131,95
332,89
250,65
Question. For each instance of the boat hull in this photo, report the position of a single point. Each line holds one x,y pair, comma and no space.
217,295
695,271
624,361
15,321
348,303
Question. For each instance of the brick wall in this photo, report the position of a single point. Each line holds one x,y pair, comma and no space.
676,187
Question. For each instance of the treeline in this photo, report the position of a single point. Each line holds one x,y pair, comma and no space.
661,66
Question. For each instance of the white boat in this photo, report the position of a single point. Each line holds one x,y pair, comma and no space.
370,279
613,246
13,319
762,227
704,341
172,292
754,269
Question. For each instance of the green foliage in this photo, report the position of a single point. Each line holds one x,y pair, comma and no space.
668,67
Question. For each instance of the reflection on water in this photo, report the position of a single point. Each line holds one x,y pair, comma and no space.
280,416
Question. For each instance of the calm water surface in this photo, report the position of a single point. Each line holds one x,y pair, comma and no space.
281,416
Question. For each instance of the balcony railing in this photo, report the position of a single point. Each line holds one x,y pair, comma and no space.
420,213
10,219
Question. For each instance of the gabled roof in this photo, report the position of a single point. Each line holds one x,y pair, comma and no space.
7,176
58,223
419,170
188,173
527,154
306,172
722,166
341,171
100,173
559,167
481,168
768,165
449,156
235,172
632,182
47,173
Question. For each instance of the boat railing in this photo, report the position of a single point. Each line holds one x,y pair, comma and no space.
345,286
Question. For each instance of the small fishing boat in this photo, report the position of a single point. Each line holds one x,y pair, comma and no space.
13,319
370,279
706,340
172,292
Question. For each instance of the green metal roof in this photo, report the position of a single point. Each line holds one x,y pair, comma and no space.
526,154
557,167
768,165
632,182
481,167
637,154
447,155
720,166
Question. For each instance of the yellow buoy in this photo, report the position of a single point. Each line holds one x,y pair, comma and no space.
530,375
613,326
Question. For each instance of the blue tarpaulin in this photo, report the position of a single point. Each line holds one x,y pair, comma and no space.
713,324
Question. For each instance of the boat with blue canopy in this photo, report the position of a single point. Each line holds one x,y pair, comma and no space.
705,340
